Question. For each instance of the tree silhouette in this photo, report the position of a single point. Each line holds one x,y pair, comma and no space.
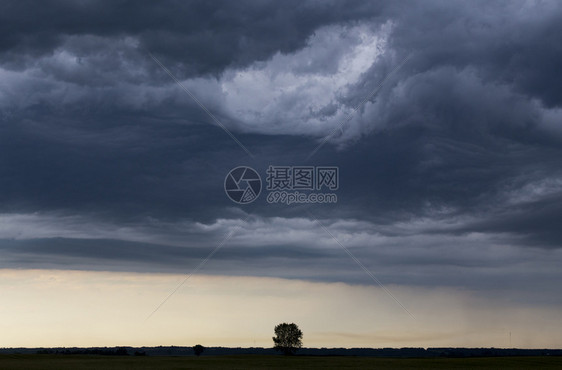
198,349
287,338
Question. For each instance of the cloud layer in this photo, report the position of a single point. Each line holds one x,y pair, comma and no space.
450,165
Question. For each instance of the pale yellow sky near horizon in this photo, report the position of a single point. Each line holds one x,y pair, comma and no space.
50,308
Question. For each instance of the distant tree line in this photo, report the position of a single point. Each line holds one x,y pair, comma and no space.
371,352
120,351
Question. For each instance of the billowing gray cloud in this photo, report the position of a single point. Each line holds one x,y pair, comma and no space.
449,175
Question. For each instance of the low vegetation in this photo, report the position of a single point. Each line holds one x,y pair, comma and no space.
91,362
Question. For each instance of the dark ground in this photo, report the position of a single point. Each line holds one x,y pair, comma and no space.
78,362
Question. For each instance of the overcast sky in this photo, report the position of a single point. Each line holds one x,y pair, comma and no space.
444,119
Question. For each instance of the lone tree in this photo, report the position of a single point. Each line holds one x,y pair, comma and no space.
198,349
287,338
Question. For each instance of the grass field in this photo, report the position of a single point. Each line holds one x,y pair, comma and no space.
62,362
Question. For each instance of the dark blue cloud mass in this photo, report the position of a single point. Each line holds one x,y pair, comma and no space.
444,119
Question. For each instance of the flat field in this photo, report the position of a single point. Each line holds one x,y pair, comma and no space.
77,362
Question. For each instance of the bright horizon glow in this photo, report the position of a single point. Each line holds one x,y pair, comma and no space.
57,308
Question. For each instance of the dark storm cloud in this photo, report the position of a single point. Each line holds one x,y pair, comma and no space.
513,43
473,119
194,37
453,165
294,249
